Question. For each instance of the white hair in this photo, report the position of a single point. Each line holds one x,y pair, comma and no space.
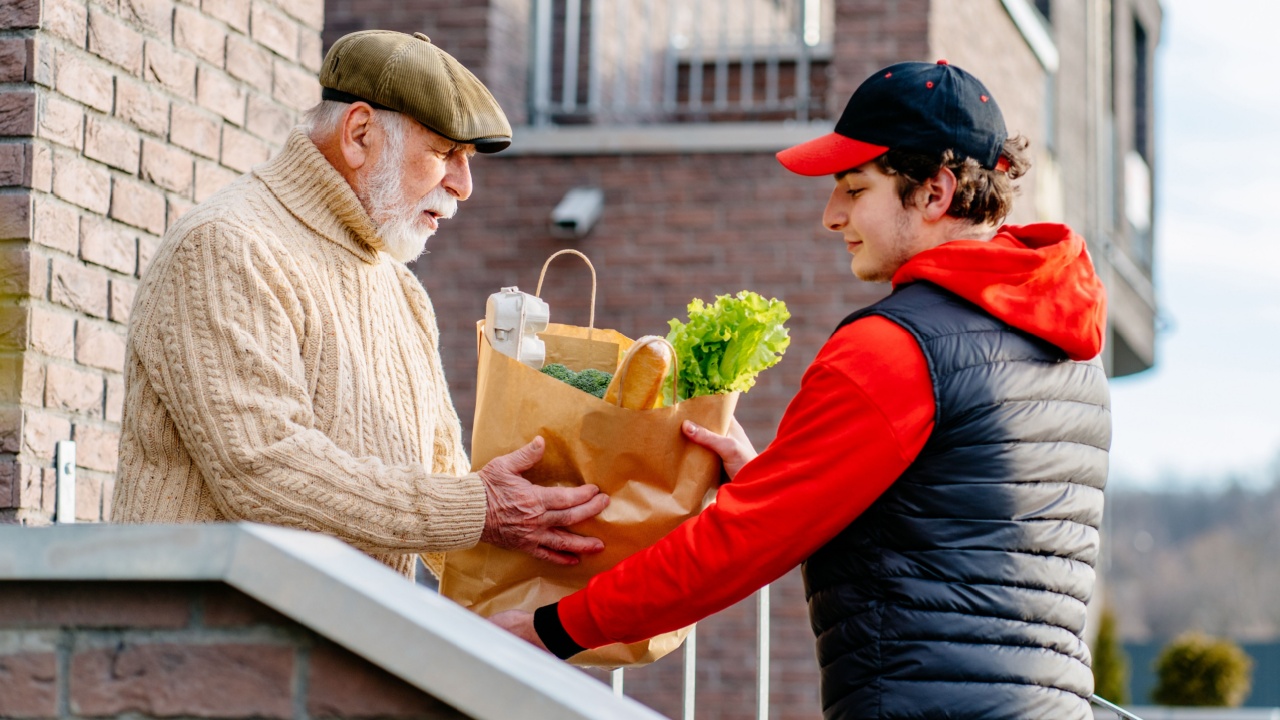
323,118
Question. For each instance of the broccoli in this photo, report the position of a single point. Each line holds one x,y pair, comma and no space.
559,372
590,381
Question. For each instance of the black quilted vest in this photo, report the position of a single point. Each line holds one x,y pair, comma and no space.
961,592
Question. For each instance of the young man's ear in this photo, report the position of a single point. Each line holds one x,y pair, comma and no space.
354,135
935,194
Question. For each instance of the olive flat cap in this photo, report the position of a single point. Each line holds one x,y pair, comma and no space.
408,74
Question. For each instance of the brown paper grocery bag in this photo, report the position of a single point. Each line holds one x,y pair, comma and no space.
654,477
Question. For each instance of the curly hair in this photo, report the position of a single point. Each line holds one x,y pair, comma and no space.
982,196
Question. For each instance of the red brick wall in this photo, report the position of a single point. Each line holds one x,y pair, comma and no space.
115,118
149,650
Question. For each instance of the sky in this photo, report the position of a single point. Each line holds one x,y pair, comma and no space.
1210,409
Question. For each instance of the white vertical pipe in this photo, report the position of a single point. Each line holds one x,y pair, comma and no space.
646,49
593,65
695,58
802,65
747,93
64,458
541,61
670,71
690,673
722,58
620,100
615,678
572,31
771,66
762,654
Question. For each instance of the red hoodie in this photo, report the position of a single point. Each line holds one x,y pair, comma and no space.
864,411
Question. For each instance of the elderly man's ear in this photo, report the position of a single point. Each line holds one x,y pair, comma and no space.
354,135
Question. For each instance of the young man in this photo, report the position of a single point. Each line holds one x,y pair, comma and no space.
282,362
939,474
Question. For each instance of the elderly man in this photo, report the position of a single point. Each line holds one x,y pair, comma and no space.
282,362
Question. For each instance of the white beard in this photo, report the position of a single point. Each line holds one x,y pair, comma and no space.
401,230
403,235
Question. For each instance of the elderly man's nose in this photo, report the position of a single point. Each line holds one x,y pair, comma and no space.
457,179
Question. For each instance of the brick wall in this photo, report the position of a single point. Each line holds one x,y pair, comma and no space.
149,650
116,116
979,36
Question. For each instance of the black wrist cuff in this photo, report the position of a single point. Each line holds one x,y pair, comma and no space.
546,622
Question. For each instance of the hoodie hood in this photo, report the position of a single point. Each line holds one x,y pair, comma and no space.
1038,278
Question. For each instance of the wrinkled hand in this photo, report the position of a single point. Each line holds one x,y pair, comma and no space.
532,519
735,448
520,624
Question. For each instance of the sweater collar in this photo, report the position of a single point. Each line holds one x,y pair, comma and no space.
313,190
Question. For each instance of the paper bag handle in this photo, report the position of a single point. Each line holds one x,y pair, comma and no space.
675,366
591,323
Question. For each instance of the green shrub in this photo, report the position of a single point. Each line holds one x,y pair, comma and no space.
1195,669
1110,665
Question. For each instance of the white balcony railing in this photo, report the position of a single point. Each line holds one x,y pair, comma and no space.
655,61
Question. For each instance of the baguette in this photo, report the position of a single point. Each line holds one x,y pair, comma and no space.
644,368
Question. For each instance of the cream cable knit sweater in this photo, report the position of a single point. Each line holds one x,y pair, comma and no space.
281,369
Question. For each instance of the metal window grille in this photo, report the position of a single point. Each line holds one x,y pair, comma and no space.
662,61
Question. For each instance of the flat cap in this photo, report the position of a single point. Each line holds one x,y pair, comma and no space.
408,74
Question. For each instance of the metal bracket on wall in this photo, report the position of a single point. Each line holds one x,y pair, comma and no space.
64,455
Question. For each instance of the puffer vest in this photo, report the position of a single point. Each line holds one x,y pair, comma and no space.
961,592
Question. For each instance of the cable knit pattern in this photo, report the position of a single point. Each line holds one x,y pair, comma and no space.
281,369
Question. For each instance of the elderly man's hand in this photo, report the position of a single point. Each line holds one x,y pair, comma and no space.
526,517
520,624
734,448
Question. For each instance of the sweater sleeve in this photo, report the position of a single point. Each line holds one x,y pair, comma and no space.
864,411
219,341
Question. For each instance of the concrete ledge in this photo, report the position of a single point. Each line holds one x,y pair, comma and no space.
321,583
674,138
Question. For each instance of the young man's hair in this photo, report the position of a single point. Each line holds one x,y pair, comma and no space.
982,196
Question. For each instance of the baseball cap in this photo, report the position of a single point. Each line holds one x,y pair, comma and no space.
408,74
919,107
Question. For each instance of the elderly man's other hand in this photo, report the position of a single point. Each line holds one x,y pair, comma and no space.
526,517
520,624
734,448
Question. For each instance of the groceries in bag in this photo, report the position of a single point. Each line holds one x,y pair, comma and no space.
629,444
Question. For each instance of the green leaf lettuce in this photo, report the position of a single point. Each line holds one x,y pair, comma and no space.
724,345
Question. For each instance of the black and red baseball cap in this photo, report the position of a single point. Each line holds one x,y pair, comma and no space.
919,107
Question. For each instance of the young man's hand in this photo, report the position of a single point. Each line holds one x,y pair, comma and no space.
734,448
532,519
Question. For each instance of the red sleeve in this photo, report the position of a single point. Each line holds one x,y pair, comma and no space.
863,413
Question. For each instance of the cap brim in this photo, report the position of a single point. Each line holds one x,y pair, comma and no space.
491,145
828,155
